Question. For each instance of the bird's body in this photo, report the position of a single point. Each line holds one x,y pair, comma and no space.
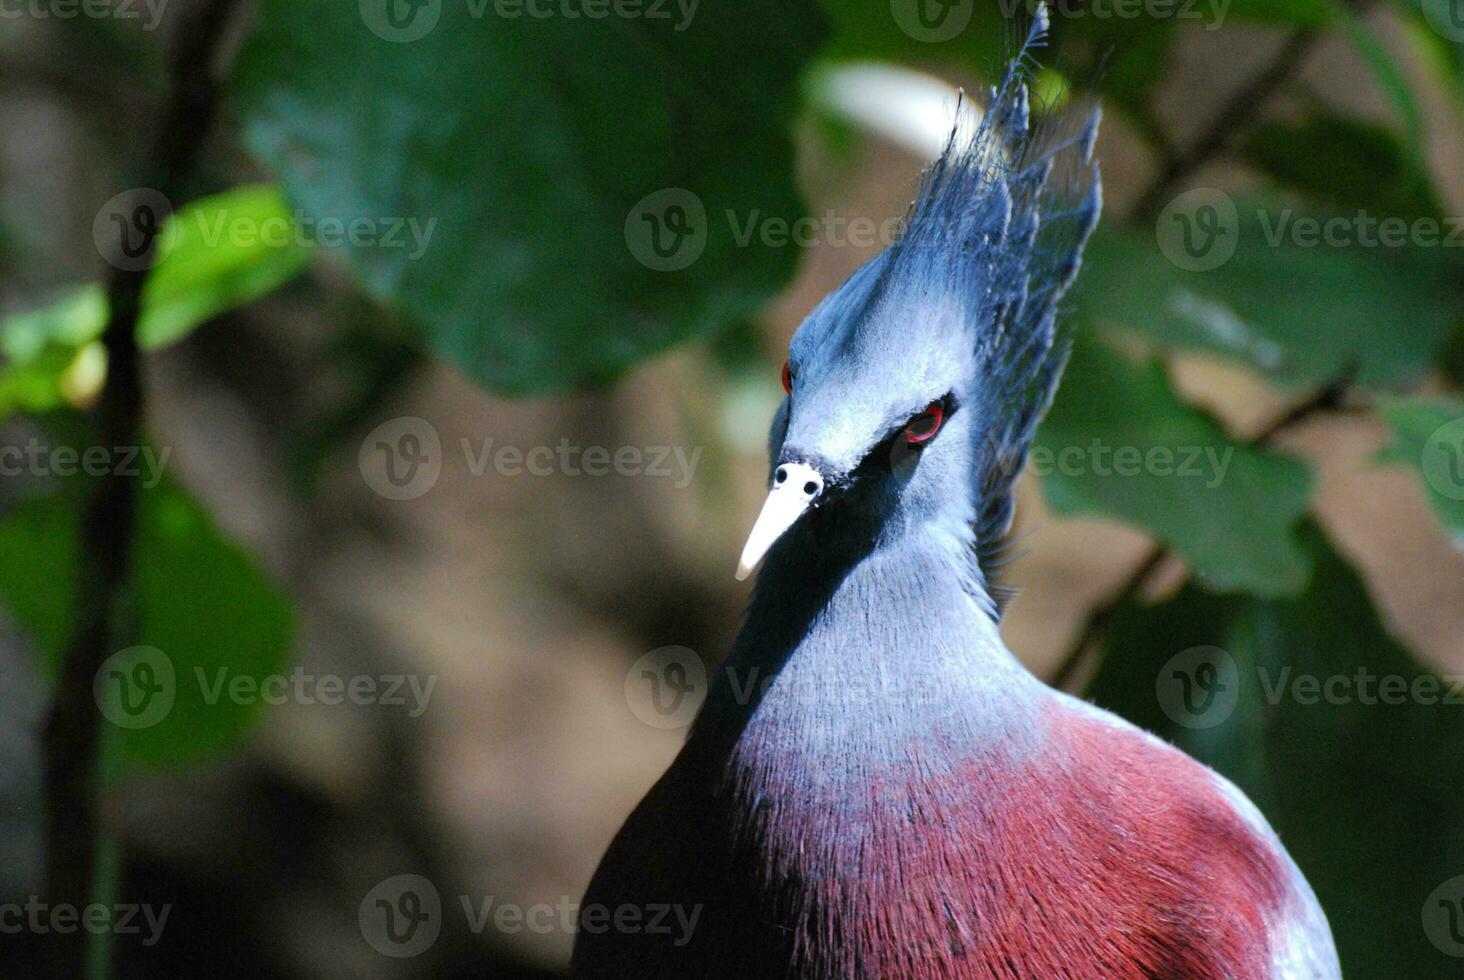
875,786
894,805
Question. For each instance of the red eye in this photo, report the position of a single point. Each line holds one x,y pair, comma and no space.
787,379
925,425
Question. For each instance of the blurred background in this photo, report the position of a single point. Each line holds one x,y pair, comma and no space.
390,571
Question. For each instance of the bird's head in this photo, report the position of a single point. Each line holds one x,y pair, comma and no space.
914,389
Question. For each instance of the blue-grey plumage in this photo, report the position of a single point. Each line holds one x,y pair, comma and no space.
876,786
961,310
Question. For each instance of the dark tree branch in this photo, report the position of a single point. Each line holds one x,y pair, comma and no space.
1330,397
1234,117
72,730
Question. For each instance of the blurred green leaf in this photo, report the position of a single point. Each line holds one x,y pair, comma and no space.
1451,358
1434,30
1296,13
1118,443
223,251
1303,313
36,384
1429,437
73,320
1386,73
1355,773
1321,14
537,165
220,252
38,555
973,34
1346,163
1132,71
198,599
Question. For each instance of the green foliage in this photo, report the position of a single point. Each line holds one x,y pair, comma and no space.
528,151
214,255
220,252
1118,443
38,560
198,599
501,186
1304,314
1429,437
1331,727
1345,163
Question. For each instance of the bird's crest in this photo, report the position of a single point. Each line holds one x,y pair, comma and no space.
1000,223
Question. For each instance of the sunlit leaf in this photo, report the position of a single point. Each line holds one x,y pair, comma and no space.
221,252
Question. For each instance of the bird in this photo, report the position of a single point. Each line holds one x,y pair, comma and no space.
875,786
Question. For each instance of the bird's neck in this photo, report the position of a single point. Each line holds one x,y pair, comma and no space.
865,652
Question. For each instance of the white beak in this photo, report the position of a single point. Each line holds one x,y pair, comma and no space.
795,487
